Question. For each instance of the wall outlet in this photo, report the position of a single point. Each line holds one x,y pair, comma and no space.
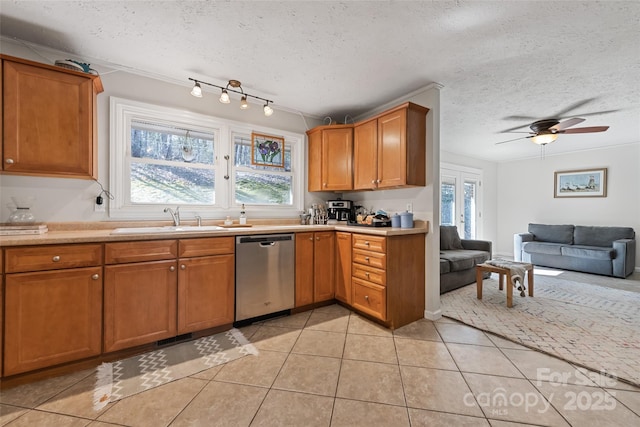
409,207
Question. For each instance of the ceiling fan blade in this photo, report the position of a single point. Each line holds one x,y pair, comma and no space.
516,139
590,129
574,106
595,113
567,124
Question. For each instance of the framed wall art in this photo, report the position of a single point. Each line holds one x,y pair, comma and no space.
581,183
267,150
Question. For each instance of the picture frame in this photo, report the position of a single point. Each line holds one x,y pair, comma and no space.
580,183
267,150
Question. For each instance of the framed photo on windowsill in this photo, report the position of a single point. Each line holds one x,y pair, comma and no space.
267,150
581,183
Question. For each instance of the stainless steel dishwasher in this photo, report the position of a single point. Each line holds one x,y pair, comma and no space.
265,275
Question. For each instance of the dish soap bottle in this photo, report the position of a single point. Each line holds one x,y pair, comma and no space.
243,217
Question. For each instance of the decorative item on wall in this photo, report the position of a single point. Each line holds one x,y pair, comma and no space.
581,183
267,150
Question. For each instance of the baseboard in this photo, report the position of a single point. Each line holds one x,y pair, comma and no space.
433,315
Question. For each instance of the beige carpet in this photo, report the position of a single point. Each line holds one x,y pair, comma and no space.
127,377
596,326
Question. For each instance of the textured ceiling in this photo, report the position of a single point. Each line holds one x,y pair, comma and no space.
496,60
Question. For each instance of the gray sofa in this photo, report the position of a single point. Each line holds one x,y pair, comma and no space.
609,251
459,257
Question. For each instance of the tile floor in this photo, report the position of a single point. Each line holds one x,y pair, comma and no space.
331,367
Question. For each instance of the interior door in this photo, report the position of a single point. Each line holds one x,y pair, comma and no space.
460,200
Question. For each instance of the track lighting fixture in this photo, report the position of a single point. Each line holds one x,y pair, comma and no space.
197,90
267,110
232,86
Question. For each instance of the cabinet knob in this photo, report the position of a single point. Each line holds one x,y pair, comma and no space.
366,297
366,243
9,161
366,274
172,268
183,267
324,183
377,181
366,258
317,238
311,238
373,181
95,276
56,258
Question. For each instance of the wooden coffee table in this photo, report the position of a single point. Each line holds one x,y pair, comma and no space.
502,272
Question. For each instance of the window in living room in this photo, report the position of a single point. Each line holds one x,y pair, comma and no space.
460,199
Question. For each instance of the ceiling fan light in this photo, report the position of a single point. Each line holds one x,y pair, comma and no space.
544,139
197,90
224,97
243,103
268,111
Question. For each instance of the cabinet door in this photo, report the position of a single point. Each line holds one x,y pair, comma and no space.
48,122
304,269
343,267
139,303
337,159
365,155
324,266
205,292
51,318
392,149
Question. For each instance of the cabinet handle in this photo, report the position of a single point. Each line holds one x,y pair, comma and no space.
9,161
95,276
183,267
172,268
56,258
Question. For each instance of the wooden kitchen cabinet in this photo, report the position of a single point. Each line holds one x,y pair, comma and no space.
330,165
140,293
388,277
49,120
315,261
390,149
343,267
51,315
206,283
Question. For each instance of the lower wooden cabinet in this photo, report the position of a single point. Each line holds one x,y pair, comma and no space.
51,317
315,260
343,267
140,301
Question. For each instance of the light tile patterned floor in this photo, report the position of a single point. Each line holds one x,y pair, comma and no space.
331,367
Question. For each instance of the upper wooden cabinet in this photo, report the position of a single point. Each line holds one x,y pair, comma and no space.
49,120
390,149
331,158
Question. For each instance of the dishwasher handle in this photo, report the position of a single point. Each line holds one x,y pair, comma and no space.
264,238
267,244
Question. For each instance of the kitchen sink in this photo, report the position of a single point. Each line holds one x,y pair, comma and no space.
167,229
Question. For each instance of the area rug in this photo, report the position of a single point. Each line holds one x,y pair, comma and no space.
127,377
592,326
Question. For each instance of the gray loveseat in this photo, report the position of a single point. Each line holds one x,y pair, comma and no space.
459,257
610,251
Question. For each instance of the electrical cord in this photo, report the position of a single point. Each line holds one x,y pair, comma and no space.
99,199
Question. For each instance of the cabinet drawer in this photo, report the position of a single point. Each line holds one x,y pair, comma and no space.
369,298
205,246
371,243
374,259
370,274
150,250
52,257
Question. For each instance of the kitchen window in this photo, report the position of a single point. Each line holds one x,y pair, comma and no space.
165,157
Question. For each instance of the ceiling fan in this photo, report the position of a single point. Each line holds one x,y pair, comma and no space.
546,131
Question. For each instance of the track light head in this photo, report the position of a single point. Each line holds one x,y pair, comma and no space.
243,103
224,97
268,111
197,90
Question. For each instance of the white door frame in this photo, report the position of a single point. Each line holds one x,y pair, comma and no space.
463,174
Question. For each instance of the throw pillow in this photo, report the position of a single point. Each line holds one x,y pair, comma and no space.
449,238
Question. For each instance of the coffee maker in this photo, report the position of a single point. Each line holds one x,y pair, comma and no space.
340,210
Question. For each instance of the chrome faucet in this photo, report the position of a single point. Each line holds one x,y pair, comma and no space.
175,215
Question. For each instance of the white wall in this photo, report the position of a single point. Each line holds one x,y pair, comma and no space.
526,187
71,200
